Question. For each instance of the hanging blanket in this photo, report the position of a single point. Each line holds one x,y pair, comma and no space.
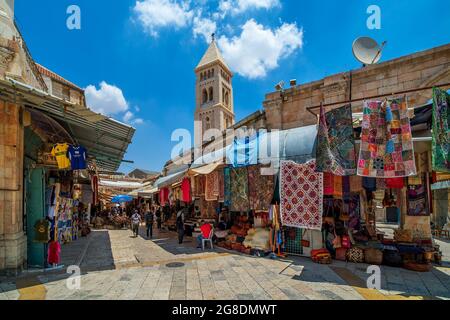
260,189
301,195
386,141
356,184
212,186
239,189
336,144
221,186
186,190
417,200
441,132
227,186
200,182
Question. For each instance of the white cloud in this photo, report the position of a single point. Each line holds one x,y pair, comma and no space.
204,27
155,14
110,101
239,6
107,100
258,49
129,117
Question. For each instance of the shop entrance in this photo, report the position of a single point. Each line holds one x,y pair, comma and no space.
35,186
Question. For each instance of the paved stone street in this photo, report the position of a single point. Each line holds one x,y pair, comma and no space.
116,266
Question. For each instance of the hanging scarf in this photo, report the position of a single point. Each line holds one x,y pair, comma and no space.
186,190
441,131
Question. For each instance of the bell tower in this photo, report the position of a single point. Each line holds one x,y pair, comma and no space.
214,93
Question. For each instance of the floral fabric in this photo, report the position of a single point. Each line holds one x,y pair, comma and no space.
261,189
386,141
301,195
212,186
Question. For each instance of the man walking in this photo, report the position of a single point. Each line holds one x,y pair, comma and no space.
149,223
135,222
158,218
180,226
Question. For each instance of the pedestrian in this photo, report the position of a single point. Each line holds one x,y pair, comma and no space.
158,218
135,222
149,219
180,226
205,229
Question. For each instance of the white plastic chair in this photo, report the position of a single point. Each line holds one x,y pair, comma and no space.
208,239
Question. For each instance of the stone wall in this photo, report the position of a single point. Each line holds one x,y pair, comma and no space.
12,239
417,70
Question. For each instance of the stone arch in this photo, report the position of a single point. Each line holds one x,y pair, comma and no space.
211,93
204,96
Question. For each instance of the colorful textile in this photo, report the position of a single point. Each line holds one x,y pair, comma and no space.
163,196
328,184
356,184
441,131
227,186
418,200
386,141
212,186
353,207
336,144
260,189
239,189
395,183
186,190
370,184
200,182
78,157
345,185
338,188
301,195
381,184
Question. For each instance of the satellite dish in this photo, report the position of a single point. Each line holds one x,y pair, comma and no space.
367,51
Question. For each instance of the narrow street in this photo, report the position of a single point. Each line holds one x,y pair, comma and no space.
116,266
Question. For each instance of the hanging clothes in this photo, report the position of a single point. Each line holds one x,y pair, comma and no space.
186,190
59,151
77,156
164,196
328,184
212,186
335,151
386,141
441,131
395,183
370,184
54,253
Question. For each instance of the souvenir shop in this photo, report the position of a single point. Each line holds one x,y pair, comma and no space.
59,191
354,188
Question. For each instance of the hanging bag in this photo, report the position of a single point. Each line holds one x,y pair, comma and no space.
337,242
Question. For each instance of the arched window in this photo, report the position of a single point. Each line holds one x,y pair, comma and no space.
211,94
223,95
212,72
227,99
209,74
201,76
204,96
208,123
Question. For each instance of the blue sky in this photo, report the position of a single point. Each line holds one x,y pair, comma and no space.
136,58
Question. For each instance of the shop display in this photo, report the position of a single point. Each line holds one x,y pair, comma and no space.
386,141
78,157
336,144
212,186
260,189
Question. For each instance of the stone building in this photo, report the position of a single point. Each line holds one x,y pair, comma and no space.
39,108
214,94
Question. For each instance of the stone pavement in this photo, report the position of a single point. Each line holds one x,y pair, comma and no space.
115,265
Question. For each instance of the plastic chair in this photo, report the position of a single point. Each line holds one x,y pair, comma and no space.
208,239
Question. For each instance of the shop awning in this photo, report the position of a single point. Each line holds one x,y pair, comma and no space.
206,169
147,193
440,185
170,179
120,184
105,139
